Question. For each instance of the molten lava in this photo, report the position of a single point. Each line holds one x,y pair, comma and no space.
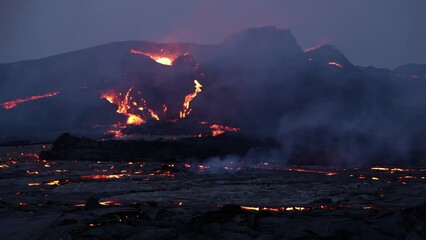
313,48
11,104
129,102
103,176
220,129
134,120
274,209
335,64
134,107
162,58
188,98
312,171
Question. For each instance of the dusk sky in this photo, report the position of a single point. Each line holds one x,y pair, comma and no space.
383,33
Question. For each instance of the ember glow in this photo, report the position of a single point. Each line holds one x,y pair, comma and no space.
188,98
220,129
11,104
161,58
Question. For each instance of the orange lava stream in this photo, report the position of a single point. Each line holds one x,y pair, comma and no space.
103,176
335,64
188,98
313,48
273,209
159,58
11,104
129,106
312,171
220,129
298,208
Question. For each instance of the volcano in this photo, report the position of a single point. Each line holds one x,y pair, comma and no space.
251,138
256,83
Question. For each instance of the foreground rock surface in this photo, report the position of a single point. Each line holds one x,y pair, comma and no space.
152,200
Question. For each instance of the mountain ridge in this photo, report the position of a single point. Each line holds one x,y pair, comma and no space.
315,101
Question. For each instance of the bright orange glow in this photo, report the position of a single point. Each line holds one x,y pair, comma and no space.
116,130
335,64
188,98
103,176
33,184
392,170
220,129
250,208
292,208
111,202
380,168
131,105
53,183
273,209
14,103
161,58
153,115
134,120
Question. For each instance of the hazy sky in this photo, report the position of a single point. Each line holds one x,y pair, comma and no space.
384,33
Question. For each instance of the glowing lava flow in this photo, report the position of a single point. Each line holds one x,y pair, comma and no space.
220,129
297,208
11,104
188,98
103,176
128,105
160,58
312,171
335,64
313,48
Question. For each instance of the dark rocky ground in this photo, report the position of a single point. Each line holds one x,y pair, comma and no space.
68,147
148,199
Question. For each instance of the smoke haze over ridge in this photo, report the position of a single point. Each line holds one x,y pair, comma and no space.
381,33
